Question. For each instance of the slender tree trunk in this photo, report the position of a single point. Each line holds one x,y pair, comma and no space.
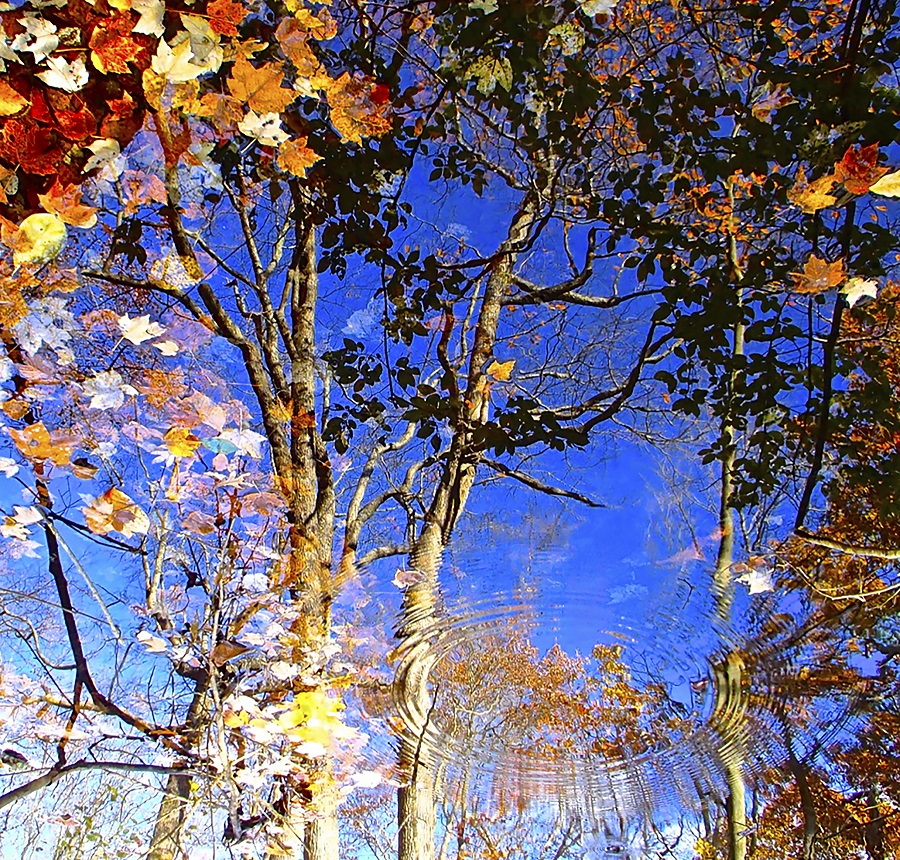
416,799
729,672
166,842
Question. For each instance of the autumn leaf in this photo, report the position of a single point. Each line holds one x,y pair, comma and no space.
113,47
295,157
225,15
812,196
818,275
489,72
887,186
501,370
64,75
139,329
858,170
181,442
858,288
11,102
260,88
153,644
353,113
39,239
65,203
115,511
266,128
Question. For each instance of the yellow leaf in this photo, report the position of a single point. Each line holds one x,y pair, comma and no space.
296,157
501,370
181,442
887,186
260,88
11,102
812,196
353,112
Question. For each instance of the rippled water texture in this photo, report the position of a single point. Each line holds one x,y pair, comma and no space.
519,712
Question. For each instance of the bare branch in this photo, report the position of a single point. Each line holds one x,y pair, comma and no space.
540,486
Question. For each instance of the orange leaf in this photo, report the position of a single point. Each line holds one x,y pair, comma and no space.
858,170
260,88
225,15
296,157
112,46
115,511
819,275
294,41
36,443
66,204
353,113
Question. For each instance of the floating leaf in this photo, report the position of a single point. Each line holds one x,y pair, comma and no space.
858,288
858,170
115,511
181,442
64,75
36,443
139,329
489,72
296,157
11,102
40,238
887,186
225,15
819,275
260,88
812,196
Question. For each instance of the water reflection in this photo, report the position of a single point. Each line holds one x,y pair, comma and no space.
650,719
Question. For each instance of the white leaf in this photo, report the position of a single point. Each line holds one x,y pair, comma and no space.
106,156
8,467
266,128
174,63
139,329
152,643
857,288
151,21
107,390
39,37
758,579
597,7
166,347
246,441
27,516
887,186
63,75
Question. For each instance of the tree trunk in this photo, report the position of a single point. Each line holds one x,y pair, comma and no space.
165,843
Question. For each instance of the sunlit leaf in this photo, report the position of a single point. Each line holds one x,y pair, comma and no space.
181,442
819,275
887,186
260,88
501,370
115,511
489,72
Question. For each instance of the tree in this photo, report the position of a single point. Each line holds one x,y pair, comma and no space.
232,165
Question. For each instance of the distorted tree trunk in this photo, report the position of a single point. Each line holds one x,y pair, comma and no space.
416,800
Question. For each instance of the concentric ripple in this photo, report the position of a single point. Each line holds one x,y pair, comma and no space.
490,697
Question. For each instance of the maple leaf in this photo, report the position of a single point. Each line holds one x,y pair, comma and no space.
501,370
818,275
166,347
489,72
181,442
64,75
11,102
204,41
777,97
352,112
812,196
39,239
65,203
115,511
39,37
151,12
295,157
112,46
858,170
260,88
36,443
106,156
173,63
139,329
225,15
887,186
107,390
